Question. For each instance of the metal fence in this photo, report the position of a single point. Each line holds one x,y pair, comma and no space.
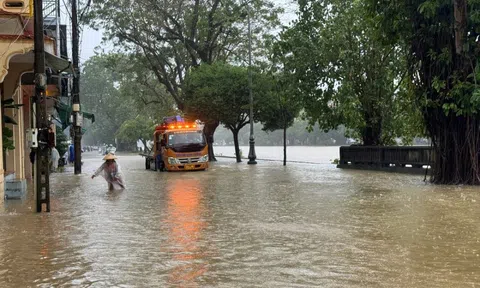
386,156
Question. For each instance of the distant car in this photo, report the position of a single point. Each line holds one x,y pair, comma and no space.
111,150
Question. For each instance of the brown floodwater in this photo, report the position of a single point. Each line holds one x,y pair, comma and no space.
237,225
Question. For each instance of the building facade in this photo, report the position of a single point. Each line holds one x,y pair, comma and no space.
17,88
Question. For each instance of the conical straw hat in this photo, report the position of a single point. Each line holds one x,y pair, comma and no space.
109,156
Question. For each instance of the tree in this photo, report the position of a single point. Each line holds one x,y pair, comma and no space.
442,37
7,135
279,109
173,36
220,93
117,90
139,128
297,134
62,144
344,72
101,96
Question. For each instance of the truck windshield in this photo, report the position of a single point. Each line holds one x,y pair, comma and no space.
186,138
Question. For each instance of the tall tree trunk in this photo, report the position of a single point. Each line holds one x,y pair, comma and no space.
456,139
457,146
209,131
285,145
237,147
372,132
460,25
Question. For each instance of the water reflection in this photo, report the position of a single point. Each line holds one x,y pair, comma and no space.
185,224
238,225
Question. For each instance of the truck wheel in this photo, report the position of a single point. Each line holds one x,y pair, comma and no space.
147,164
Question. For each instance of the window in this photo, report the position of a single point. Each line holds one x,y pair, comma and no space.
14,4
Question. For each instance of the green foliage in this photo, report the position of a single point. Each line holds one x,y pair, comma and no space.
7,135
101,96
345,73
442,77
442,40
280,106
116,88
218,92
174,36
62,145
139,128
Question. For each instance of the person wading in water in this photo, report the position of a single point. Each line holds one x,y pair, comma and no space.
110,170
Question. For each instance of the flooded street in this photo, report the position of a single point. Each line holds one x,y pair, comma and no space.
237,225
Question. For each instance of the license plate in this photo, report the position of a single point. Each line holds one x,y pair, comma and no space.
189,167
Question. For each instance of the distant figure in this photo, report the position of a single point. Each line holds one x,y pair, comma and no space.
54,157
65,157
71,154
110,170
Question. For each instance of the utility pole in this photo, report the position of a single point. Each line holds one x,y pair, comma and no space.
59,49
57,28
42,171
77,117
251,153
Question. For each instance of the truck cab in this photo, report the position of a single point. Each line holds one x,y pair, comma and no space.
179,146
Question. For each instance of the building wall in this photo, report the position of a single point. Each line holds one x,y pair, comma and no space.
16,159
27,92
10,71
2,177
19,138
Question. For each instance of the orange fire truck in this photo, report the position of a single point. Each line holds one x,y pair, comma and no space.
178,146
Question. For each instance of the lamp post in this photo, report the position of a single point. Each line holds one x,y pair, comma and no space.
251,153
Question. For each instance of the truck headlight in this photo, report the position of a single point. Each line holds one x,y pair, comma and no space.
172,161
204,158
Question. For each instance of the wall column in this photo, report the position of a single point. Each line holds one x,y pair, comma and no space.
2,173
19,132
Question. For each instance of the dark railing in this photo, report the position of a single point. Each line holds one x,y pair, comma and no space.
386,158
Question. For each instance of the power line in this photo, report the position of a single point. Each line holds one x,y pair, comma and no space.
16,39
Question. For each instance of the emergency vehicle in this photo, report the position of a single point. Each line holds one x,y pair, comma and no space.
178,146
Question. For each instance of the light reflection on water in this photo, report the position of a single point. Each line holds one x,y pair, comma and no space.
244,226
185,227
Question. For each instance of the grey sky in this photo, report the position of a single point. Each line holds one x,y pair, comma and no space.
90,40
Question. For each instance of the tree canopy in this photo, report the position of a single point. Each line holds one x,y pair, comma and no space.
123,96
176,35
443,53
220,93
345,73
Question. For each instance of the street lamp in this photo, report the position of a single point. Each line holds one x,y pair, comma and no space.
251,154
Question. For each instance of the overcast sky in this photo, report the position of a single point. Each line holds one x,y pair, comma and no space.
90,40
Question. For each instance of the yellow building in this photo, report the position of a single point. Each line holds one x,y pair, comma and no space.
16,83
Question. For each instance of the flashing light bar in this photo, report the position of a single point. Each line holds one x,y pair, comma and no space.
173,127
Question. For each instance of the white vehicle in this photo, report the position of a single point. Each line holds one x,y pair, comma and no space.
111,150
